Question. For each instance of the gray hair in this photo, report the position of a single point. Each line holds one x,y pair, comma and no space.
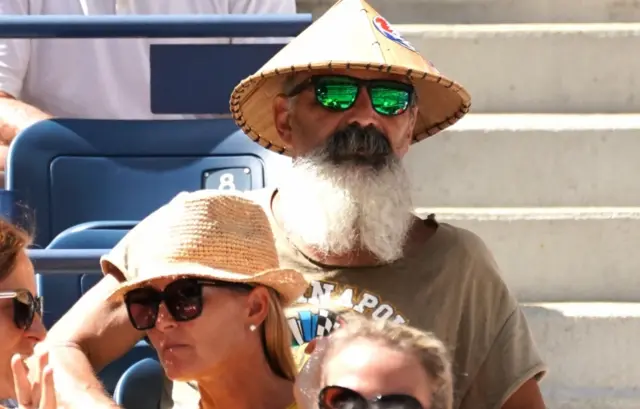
289,83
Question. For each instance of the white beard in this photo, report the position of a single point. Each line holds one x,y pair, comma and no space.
336,209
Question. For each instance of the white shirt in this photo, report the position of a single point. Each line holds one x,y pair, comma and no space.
100,78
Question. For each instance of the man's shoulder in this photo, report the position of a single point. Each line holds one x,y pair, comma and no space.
464,257
470,263
454,241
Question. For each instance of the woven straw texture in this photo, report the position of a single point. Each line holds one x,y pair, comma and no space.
204,234
350,36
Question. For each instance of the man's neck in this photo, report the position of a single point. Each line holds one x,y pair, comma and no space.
254,387
354,258
418,233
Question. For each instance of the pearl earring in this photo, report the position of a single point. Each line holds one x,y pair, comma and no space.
252,327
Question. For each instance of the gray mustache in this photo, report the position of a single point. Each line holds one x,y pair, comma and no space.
356,143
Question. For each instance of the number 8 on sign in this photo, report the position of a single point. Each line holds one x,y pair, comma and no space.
228,179
226,182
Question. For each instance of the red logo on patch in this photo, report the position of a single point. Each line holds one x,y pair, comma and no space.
385,28
384,24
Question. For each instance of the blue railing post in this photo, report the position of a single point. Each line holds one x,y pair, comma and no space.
154,26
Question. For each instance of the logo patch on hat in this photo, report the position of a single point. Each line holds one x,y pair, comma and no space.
385,28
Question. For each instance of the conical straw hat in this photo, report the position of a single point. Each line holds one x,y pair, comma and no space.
204,234
351,35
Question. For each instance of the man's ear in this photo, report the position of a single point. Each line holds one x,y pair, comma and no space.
402,147
413,118
282,118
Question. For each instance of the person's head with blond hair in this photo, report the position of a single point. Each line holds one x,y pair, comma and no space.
381,364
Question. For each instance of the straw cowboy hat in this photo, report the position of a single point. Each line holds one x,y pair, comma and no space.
353,36
204,234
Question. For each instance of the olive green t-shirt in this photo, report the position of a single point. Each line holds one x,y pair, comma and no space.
452,288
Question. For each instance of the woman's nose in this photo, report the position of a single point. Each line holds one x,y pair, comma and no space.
165,320
37,329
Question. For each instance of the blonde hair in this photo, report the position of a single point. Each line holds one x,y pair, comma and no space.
276,339
429,350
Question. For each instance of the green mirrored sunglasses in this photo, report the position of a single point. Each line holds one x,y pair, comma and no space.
339,93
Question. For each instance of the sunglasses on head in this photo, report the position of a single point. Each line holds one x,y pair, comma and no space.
338,397
25,307
340,93
183,299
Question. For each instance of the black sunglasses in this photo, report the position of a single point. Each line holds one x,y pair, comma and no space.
183,299
340,93
338,397
25,307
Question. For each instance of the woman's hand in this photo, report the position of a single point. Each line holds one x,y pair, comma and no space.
34,390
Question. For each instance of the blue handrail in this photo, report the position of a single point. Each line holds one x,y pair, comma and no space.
66,261
154,26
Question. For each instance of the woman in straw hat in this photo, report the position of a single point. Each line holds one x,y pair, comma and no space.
204,283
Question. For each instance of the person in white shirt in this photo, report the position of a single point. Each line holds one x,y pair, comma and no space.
92,78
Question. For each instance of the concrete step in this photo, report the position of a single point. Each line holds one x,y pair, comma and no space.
494,11
532,68
559,254
530,160
590,349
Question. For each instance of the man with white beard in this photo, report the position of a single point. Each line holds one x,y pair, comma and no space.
346,99
347,113
351,193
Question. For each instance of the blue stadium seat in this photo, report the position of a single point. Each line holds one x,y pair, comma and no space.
113,373
140,387
92,235
73,171
62,277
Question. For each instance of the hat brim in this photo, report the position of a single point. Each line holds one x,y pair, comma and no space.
288,283
441,101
